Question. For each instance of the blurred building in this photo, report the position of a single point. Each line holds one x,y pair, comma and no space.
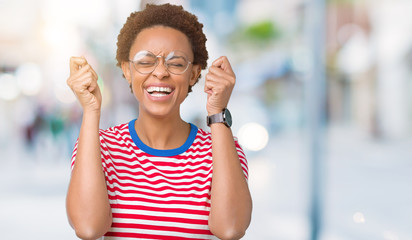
368,128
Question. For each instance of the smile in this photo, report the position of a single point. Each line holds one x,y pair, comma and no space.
159,91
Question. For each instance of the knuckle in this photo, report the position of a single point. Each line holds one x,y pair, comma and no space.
70,82
76,89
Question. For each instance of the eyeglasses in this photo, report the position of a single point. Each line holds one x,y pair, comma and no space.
146,62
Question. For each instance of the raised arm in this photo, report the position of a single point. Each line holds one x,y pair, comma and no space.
87,202
231,203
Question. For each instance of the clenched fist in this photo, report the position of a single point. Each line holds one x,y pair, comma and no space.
220,81
83,82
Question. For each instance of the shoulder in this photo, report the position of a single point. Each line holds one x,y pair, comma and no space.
203,134
119,129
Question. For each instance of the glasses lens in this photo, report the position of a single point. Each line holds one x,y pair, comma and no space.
176,62
144,62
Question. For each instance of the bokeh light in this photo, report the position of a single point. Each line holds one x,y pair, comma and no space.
64,94
8,87
253,136
29,78
358,217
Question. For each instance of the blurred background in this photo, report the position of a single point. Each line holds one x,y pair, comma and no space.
322,107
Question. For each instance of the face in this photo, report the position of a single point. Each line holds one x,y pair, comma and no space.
160,92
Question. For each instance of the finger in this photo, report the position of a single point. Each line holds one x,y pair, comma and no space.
73,78
94,73
208,84
83,82
85,72
220,72
76,63
225,80
93,85
208,88
223,63
89,69
215,87
94,78
218,62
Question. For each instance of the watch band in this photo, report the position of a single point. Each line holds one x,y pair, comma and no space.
222,117
215,118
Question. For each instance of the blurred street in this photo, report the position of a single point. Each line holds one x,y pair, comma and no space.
323,89
368,194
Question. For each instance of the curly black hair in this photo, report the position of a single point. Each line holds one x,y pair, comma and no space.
164,15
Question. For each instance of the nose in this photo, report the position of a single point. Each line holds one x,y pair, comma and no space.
160,70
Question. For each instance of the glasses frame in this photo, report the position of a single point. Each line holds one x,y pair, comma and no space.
133,62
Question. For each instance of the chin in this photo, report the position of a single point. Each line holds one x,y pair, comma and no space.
158,111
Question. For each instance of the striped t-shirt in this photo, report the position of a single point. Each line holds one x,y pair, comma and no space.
158,194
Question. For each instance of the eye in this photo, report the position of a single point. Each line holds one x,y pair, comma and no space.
145,63
144,58
175,64
176,61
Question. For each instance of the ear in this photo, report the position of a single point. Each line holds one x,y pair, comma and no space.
195,74
126,71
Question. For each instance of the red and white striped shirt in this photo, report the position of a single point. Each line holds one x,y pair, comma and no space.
158,194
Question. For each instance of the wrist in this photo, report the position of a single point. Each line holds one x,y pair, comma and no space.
214,111
91,114
222,116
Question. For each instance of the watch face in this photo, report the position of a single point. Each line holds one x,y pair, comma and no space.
228,117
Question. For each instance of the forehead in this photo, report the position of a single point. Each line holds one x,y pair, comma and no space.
161,40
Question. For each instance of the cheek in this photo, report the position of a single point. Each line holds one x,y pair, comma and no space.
186,85
136,86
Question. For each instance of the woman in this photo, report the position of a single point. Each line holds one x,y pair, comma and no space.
151,178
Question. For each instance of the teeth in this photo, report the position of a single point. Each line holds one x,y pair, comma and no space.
159,89
158,94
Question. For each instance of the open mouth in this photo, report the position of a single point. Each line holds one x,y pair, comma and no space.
159,91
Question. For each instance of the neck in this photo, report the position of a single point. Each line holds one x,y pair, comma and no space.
162,133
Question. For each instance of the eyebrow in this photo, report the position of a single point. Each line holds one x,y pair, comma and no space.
147,52
177,56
